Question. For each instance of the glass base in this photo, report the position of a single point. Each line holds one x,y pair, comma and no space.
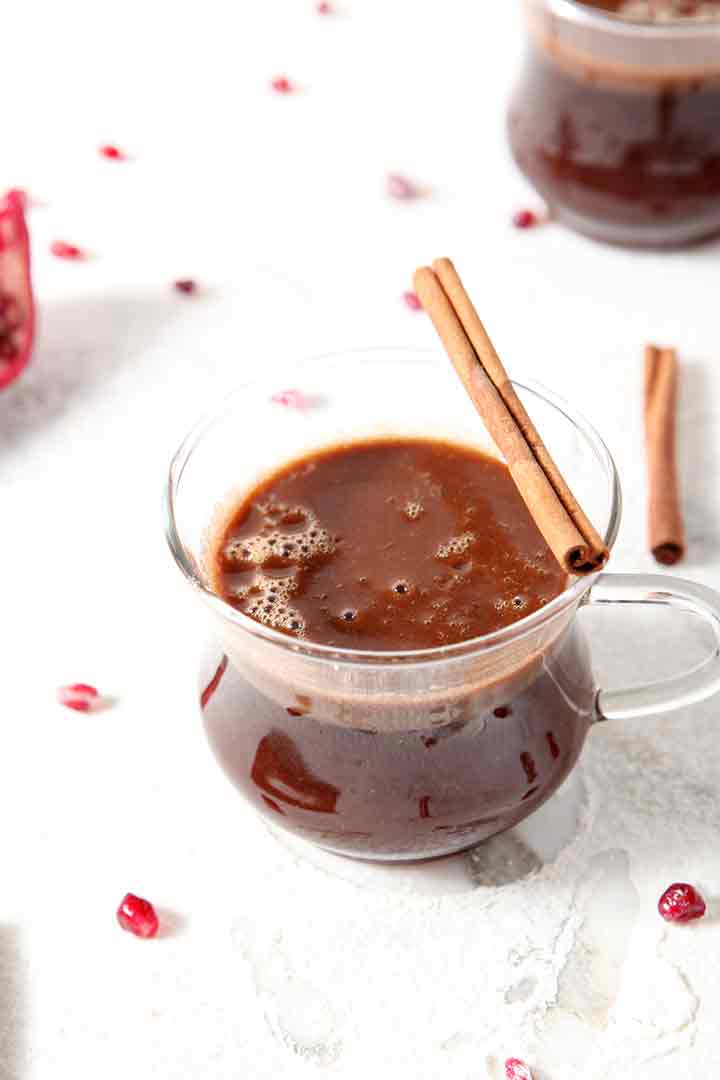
651,237
288,767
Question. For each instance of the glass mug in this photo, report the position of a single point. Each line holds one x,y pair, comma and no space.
615,123
405,755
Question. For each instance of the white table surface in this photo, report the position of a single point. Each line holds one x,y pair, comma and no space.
285,963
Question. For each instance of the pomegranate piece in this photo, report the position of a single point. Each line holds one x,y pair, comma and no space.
138,916
21,196
185,285
61,250
681,903
525,219
78,696
399,187
412,300
17,307
515,1069
292,399
114,153
282,85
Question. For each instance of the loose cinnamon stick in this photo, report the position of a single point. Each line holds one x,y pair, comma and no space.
665,525
575,543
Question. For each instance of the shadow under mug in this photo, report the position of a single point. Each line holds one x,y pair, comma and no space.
415,754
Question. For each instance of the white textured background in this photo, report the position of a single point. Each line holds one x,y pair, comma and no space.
283,965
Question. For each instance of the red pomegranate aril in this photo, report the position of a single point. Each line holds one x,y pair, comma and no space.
399,187
681,903
114,153
281,84
185,285
525,219
61,250
515,1069
412,300
292,399
79,696
324,8
138,916
17,307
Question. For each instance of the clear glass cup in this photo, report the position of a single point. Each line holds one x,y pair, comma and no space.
615,123
404,755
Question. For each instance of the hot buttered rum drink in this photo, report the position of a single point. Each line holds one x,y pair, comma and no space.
390,546
616,123
386,546
658,10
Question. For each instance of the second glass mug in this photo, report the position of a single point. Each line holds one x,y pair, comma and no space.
406,755
615,123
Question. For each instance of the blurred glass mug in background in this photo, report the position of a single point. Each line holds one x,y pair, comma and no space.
616,122
405,755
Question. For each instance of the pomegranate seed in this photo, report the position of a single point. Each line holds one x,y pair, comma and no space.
112,152
185,285
399,187
8,310
323,8
78,696
525,219
515,1069
138,916
412,300
65,251
17,309
681,903
502,711
293,399
281,85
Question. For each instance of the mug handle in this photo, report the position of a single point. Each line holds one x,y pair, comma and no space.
663,696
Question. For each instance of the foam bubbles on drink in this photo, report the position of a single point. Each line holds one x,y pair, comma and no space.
290,539
412,510
304,541
456,545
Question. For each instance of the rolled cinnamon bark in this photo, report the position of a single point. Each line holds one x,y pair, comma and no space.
570,536
666,532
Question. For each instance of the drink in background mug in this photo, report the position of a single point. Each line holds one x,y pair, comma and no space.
614,121
405,755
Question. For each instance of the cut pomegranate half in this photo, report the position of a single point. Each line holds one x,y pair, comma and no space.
17,310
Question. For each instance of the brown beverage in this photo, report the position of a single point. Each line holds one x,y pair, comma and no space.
391,546
619,131
658,10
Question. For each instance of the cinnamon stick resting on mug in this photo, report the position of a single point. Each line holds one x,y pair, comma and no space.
665,525
568,533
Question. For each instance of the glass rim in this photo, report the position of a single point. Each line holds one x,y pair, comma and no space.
598,19
495,639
